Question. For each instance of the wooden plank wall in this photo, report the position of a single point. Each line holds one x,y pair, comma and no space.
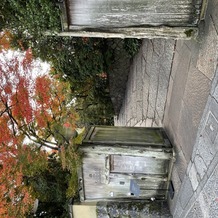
128,13
100,184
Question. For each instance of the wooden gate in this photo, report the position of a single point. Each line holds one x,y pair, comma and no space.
131,18
125,163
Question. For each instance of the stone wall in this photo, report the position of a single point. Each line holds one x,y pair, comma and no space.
156,209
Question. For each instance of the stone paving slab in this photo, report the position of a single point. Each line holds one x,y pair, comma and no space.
198,196
147,85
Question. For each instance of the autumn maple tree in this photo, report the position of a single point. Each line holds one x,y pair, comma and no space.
18,162
33,107
36,112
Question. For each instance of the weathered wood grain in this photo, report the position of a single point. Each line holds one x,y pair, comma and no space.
126,13
177,19
149,32
124,135
108,168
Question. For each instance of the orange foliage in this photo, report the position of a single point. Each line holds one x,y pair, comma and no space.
33,107
21,103
5,40
5,131
43,87
17,162
27,61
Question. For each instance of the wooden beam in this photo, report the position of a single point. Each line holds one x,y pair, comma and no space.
131,151
63,16
185,33
203,9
